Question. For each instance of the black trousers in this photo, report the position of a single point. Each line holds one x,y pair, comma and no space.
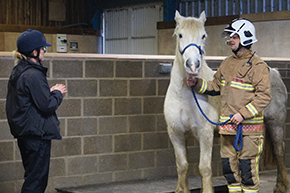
35,155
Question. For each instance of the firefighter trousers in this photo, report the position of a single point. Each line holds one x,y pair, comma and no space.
241,169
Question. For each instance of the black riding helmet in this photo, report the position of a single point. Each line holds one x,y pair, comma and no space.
29,41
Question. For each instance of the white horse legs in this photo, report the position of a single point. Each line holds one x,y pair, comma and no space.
179,144
206,144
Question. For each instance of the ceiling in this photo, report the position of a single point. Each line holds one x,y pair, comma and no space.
119,3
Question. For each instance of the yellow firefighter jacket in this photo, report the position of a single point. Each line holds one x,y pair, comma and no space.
243,82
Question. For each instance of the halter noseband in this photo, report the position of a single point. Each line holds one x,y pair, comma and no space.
192,44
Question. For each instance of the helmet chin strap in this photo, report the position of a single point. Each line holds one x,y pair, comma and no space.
238,49
38,52
37,56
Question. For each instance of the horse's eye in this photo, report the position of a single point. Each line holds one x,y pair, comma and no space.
180,35
203,36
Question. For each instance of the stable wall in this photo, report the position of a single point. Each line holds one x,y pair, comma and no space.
272,38
86,43
112,122
272,32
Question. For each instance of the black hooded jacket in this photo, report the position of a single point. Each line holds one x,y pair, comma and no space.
30,106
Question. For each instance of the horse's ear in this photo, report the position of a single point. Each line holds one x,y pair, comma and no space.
178,18
202,17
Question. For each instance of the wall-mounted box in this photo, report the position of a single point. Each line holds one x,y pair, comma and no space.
164,68
73,45
61,42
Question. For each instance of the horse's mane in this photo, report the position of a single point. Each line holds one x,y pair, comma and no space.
189,25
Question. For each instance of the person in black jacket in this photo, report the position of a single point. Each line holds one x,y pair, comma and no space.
30,109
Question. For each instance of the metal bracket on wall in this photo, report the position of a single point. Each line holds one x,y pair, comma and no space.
164,68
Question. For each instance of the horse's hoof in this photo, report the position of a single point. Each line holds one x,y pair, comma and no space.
182,191
279,188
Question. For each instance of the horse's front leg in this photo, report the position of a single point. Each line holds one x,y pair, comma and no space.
179,143
206,145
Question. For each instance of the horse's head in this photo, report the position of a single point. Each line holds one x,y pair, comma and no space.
190,35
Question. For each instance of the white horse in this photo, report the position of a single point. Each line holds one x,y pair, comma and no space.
184,119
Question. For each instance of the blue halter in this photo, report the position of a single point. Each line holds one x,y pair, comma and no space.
192,44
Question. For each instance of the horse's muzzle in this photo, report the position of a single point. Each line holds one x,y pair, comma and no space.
192,66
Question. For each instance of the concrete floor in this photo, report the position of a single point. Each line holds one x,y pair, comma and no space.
267,180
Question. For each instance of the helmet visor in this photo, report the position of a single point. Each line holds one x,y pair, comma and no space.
226,35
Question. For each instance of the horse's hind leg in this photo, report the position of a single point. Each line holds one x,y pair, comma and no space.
206,145
274,133
179,144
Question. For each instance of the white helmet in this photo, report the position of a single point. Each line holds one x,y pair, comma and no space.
245,29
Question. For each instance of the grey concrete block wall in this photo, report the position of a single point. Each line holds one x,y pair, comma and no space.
112,123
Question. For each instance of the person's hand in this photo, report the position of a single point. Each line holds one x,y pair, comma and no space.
52,88
59,87
192,79
237,118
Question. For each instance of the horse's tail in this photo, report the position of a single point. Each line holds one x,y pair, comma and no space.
268,157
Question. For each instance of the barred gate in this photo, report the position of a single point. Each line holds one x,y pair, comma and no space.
215,8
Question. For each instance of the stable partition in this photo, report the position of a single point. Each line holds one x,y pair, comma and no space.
112,121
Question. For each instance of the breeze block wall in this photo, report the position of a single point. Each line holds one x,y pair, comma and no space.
112,122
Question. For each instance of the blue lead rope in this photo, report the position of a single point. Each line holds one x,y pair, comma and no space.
239,136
